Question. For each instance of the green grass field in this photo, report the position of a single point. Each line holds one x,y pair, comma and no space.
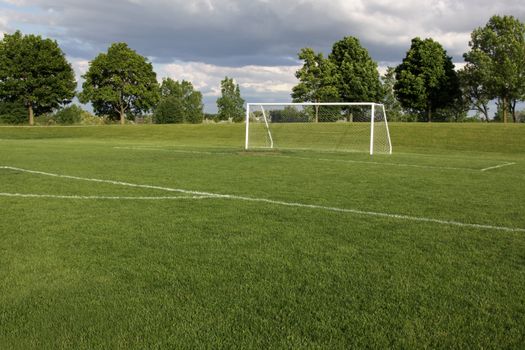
174,237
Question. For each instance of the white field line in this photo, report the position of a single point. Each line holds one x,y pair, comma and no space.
276,202
497,166
54,196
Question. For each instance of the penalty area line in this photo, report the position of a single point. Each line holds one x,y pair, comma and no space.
276,202
55,196
497,166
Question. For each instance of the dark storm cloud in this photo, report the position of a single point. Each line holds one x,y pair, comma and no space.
235,33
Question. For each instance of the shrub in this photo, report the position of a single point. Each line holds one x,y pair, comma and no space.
45,119
87,118
69,115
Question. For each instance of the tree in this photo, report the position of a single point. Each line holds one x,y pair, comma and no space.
475,89
230,104
426,80
169,111
179,103
120,83
393,108
357,74
317,80
35,72
497,55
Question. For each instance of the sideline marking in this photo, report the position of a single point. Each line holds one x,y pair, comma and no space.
54,196
497,166
276,202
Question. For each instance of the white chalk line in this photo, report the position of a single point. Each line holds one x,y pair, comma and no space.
54,196
323,159
276,202
497,166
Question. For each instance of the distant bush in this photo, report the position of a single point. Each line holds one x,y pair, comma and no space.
87,118
13,113
288,115
69,115
144,119
45,119
169,111
520,116
210,116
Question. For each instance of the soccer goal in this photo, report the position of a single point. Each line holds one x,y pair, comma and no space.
336,126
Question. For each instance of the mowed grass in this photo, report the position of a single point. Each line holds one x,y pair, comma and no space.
238,272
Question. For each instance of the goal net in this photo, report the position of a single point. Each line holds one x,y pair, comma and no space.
350,127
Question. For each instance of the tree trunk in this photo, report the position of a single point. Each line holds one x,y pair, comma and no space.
429,115
317,113
505,109
485,112
512,106
122,115
31,115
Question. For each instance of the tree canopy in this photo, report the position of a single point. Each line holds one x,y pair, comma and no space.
497,58
35,72
356,73
317,78
426,80
179,103
230,104
120,83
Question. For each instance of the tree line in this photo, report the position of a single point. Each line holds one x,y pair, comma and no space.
120,84
425,86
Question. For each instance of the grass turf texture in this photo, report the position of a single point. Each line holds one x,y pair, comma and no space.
222,273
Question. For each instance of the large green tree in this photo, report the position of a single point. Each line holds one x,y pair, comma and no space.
230,104
317,80
475,89
497,56
120,83
35,72
357,77
426,80
179,103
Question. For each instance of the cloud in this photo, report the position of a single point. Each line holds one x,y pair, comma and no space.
254,41
261,32
257,83
4,28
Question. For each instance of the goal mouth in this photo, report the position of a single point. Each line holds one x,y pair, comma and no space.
329,126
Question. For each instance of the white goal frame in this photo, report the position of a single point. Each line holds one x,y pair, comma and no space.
372,106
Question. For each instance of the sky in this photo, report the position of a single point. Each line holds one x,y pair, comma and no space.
254,41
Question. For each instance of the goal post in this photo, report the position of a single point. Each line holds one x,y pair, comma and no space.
333,126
